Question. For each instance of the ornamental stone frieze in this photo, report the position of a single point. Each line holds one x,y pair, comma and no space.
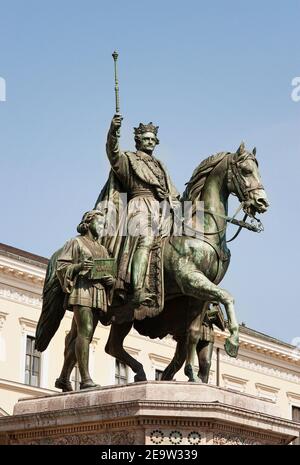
283,352
20,297
22,275
259,367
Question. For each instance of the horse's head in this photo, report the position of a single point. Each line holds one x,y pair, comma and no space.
244,180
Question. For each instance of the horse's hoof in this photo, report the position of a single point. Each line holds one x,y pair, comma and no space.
231,348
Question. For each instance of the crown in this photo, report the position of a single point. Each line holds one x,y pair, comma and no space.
146,128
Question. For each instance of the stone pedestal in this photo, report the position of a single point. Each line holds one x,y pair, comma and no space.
152,413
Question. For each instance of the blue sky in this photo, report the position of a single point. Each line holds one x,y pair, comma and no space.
210,74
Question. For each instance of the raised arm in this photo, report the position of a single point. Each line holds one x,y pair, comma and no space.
112,145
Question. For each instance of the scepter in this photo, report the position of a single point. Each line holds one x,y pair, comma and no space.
115,57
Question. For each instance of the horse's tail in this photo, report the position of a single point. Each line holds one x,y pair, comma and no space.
53,306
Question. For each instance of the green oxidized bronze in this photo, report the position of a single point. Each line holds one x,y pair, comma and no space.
145,181
166,283
194,267
200,342
78,278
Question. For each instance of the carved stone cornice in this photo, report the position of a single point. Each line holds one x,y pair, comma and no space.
218,424
24,389
27,325
232,382
133,351
155,358
273,350
22,275
267,392
259,367
20,297
18,270
153,412
293,397
14,254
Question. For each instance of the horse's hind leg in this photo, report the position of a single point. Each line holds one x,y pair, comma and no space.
178,359
114,347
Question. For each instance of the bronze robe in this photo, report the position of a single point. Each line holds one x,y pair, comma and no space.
145,180
79,289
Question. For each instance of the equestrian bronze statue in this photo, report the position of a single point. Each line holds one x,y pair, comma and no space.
168,263
192,267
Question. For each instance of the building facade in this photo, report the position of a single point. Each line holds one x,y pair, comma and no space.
265,367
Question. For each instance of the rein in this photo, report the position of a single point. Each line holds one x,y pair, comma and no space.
235,179
258,227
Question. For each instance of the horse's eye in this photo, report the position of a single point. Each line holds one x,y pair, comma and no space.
246,171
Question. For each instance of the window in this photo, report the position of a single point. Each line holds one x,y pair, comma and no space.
296,417
158,374
75,378
32,363
121,374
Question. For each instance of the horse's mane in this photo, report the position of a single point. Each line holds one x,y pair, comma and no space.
195,185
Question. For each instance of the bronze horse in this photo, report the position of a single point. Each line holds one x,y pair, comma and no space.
194,267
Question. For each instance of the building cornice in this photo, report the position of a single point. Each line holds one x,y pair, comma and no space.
235,383
27,324
20,297
23,255
159,359
21,388
261,367
19,271
265,347
293,397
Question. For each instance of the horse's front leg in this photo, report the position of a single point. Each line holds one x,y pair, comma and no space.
114,347
194,283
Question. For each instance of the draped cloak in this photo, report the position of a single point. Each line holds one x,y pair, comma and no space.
137,184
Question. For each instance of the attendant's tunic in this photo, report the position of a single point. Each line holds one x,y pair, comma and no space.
79,289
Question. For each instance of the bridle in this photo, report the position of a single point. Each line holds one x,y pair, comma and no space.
237,186
236,180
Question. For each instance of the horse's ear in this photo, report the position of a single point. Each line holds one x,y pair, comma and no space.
254,151
241,148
